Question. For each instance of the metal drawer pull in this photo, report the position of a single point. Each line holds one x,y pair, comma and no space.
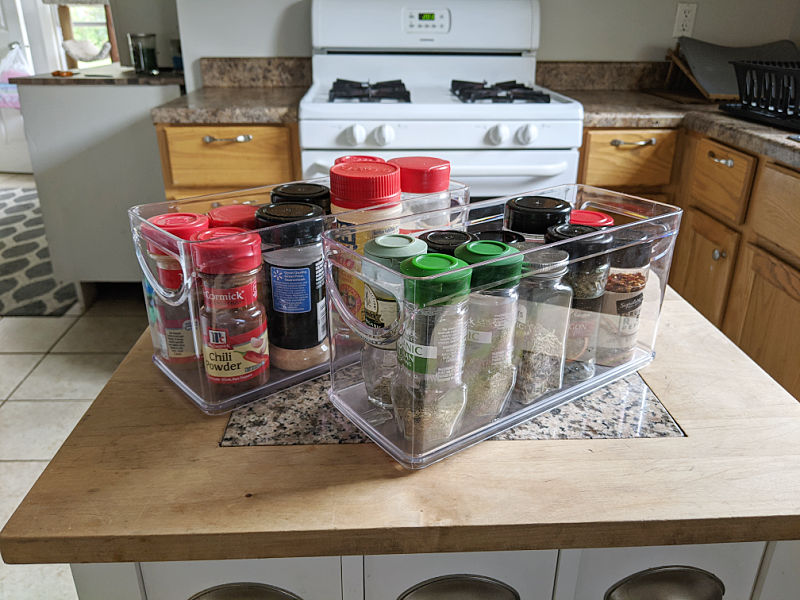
240,139
650,142
716,254
727,162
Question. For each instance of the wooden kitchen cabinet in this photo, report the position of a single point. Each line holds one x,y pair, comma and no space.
704,263
775,208
763,317
615,158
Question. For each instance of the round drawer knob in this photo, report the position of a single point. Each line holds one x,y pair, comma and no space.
717,254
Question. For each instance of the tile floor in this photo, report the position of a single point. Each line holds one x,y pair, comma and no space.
51,368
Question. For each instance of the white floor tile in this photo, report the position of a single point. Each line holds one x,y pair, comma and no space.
13,369
36,430
102,334
68,377
36,582
32,334
18,477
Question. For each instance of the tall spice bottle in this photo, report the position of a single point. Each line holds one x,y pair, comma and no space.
425,183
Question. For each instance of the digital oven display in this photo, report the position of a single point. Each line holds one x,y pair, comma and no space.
427,16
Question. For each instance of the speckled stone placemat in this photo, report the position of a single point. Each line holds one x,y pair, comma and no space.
303,414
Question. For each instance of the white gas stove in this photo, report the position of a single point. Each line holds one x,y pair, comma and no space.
386,79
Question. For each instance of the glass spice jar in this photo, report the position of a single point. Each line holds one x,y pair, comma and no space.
445,241
592,218
313,193
532,215
233,322
234,215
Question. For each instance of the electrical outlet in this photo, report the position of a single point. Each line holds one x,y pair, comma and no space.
684,19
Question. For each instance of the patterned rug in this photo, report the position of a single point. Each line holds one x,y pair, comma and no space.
27,285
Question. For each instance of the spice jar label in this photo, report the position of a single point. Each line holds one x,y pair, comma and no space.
178,337
234,297
291,289
230,359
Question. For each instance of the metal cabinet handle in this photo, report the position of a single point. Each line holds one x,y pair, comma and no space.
650,142
241,139
727,162
717,254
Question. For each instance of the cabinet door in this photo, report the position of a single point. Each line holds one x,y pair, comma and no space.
530,573
587,574
774,207
704,264
763,316
629,157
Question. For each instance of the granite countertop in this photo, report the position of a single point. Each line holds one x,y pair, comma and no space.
106,75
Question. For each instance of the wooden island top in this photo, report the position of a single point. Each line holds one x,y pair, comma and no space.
143,477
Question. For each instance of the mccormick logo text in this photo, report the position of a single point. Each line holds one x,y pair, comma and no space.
231,297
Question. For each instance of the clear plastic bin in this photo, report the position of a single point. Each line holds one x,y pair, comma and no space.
439,406
174,295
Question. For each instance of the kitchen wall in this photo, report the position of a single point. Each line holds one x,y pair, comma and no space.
615,30
147,16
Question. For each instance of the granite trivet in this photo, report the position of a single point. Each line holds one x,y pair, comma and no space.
304,415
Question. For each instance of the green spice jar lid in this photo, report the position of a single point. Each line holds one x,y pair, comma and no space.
429,291
506,271
392,249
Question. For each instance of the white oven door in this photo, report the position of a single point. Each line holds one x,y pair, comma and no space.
489,173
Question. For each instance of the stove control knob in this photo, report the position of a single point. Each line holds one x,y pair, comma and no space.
384,135
526,134
499,134
356,134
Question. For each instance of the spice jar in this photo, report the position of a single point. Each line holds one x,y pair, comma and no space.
428,393
425,185
379,363
592,218
624,295
232,321
445,241
500,235
175,324
234,215
532,215
488,365
357,158
542,321
295,284
313,193
587,278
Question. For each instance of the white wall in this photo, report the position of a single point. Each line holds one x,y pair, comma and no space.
616,30
146,16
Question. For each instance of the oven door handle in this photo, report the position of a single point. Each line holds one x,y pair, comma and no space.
508,170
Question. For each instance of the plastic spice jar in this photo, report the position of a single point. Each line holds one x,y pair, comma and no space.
232,320
500,235
313,193
425,183
592,218
363,185
428,393
358,158
379,363
295,284
587,278
532,215
234,215
445,241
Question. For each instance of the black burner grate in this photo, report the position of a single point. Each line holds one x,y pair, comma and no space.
505,91
344,89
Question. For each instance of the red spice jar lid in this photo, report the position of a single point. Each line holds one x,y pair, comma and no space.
423,174
361,184
182,225
358,158
234,215
592,218
220,252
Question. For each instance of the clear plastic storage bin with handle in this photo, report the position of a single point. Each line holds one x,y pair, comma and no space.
484,337
236,296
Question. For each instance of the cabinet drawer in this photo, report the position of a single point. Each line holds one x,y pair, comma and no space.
775,209
720,180
193,162
629,157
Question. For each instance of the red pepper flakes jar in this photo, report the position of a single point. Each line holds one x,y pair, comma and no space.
234,215
232,320
176,328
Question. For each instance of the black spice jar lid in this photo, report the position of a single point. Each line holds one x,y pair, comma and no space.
581,247
634,245
445,241
500,235
308,219
313,193
534,214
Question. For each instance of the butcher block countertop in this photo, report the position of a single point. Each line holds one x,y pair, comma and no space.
144,478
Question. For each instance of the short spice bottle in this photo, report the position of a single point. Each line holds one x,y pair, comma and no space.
425,184
313,193
532,215
500,235
445,241
357,158
592,218
234,215
232,320
295,284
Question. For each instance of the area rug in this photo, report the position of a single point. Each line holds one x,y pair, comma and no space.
27,285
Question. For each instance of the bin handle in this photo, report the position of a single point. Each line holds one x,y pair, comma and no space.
170,297
376,336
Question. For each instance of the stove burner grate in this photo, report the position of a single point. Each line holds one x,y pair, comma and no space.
505,91
344,89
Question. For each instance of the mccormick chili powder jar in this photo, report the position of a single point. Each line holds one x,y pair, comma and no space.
232,320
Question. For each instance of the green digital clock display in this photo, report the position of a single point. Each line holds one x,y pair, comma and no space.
427,16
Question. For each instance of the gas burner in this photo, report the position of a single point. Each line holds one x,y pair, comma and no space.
505,91
344,89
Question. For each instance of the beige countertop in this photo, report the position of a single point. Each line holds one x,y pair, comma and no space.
143,477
